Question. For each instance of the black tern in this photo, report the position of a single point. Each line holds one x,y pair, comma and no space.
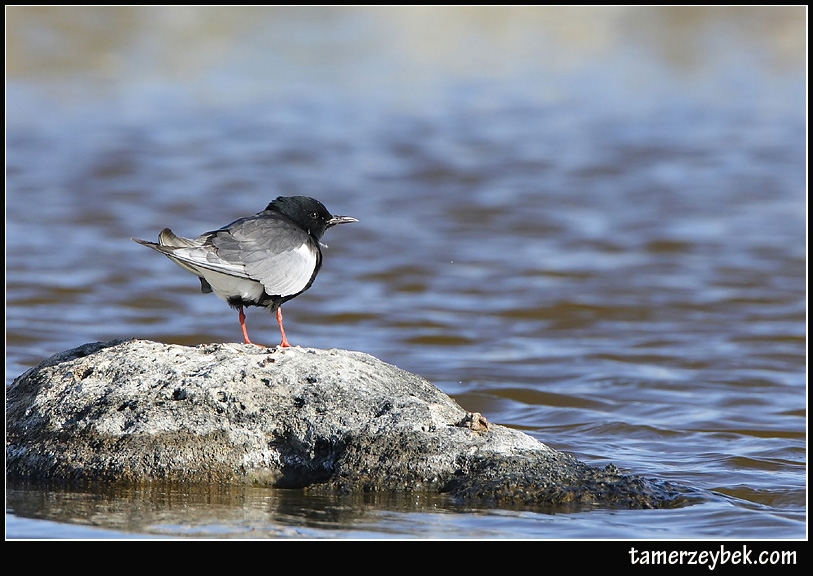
261,260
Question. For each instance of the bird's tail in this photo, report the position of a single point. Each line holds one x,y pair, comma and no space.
168,238
174,247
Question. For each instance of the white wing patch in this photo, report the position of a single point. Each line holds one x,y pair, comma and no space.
287,273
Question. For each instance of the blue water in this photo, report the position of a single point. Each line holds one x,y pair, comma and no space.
588,224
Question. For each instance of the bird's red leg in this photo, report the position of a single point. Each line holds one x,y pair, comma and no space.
284,343
242,317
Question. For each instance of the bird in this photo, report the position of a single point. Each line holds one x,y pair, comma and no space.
262,260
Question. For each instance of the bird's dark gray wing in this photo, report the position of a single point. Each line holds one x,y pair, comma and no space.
281,256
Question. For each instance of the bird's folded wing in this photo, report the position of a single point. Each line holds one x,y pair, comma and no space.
202,258
275,254
287,273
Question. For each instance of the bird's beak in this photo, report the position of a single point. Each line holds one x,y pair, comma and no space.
340,220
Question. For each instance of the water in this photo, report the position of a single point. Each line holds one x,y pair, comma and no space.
587,224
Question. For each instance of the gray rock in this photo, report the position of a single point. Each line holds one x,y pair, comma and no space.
329,420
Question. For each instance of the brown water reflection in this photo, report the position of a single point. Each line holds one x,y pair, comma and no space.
213,511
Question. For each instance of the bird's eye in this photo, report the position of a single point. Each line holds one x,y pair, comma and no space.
314,215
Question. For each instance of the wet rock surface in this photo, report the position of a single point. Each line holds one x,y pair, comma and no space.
328,420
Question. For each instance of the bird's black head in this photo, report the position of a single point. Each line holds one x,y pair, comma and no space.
307,213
